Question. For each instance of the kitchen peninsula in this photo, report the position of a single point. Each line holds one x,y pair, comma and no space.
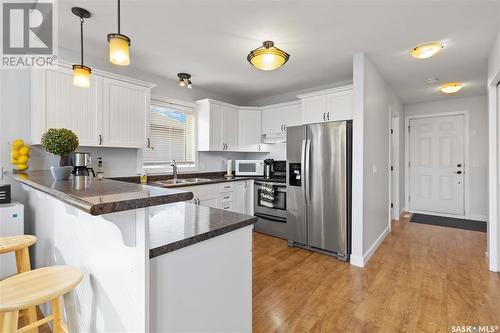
151,261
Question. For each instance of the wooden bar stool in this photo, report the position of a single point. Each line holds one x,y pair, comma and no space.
19,245
33,288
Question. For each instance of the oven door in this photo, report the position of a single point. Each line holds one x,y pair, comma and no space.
271,220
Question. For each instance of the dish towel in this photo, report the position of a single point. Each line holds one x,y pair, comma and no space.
267,197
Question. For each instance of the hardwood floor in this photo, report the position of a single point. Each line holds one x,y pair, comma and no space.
421,279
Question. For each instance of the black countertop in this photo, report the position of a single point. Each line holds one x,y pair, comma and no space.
183,224
98,197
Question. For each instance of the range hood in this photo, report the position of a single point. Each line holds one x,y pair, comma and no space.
275,137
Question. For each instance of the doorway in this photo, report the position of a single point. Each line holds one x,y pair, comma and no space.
394,167
438,164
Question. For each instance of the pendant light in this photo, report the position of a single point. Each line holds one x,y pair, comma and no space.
267,57
81,73
119,46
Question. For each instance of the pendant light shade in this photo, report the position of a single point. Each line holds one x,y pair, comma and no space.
81,76
119,46
268,57
81,73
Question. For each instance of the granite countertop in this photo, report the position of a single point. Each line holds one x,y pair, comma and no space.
183,224
98,197
213,178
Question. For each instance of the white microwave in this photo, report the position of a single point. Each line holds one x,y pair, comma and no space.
249,167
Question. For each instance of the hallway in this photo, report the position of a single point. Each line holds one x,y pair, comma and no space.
422,279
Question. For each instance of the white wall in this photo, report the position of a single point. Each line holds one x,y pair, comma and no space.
373,100
478,108
494,155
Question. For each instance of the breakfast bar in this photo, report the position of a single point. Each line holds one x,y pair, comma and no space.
151,260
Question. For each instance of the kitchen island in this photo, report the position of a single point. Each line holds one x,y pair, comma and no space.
151,261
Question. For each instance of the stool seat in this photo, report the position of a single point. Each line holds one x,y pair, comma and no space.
16,243
37,286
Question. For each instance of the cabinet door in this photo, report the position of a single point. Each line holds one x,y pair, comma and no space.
272,121
216,127
230,128
314,109
74,108
292,115
339,106
239,197
124,115
249,129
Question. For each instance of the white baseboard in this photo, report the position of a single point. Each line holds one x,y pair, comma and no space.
478,217
362,261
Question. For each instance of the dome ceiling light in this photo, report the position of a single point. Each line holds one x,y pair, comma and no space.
119,53
185,80
267,57
81,73
451,87
425,51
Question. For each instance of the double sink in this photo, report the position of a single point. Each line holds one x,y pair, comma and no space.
182,181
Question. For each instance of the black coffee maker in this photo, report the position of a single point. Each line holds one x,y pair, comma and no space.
82,164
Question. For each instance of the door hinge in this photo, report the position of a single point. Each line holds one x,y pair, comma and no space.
392,168
408,198
409,163
392,205
392,131
408,128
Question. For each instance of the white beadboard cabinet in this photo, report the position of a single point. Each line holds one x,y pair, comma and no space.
249,129
217,126
112,112
277,117
327,105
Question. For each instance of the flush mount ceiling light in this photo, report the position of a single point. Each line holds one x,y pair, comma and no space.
267,57
425,51
119,46
81,73
451,87
185,80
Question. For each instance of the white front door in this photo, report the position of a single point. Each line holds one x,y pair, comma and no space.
437,164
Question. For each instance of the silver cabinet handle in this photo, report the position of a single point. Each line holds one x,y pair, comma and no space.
227,197
281,127
284,128
148,143
324,116
328,115
223,146
100,139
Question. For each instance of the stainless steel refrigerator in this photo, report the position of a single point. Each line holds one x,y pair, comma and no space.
319,187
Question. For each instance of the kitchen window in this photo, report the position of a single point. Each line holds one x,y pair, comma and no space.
172,137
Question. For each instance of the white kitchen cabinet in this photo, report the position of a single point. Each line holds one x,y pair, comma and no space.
124,116
327,105
276,118
217,126
249,129
208,201
112,112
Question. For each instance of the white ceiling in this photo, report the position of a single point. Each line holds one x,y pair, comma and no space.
211,39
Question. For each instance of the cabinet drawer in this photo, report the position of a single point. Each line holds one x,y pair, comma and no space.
226,187
226,197
227,206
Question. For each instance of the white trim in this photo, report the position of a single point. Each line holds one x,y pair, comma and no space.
362,261
280,105
493,173
466,115
326,91
167,100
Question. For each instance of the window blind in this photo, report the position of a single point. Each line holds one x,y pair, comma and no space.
171,135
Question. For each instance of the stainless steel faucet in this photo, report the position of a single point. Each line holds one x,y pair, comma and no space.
174,170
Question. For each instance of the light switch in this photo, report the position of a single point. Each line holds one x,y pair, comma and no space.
374,169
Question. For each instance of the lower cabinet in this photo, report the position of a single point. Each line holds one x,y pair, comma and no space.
233,196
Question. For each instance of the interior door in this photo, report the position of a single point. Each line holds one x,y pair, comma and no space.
437,164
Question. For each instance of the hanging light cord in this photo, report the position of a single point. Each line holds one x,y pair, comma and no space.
119,16
81,39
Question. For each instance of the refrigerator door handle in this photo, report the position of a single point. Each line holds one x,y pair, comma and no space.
302,169
306,173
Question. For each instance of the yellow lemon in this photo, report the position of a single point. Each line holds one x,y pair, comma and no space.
14,154
13,161
23,160
22,167
17,143
24,151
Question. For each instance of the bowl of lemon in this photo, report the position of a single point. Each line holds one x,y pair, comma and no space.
19,155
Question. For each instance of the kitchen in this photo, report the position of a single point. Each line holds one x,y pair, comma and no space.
195,165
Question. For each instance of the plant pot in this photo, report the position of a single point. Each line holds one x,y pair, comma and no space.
65,160
61,173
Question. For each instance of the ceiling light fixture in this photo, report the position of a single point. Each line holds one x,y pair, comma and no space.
267,57
185,80
81,73
119,44
451,87
425,51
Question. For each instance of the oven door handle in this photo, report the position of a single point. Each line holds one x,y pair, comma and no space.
270,218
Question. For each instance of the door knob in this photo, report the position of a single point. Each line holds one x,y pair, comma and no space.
459,165
458,172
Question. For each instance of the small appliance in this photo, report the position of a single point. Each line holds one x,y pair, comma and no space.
249,167
11,224
82,164
268,165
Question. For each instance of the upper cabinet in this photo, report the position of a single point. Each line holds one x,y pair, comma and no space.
249,129
112,112
217,126
327,105
276,118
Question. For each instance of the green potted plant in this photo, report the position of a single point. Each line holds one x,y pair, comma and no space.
61,142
